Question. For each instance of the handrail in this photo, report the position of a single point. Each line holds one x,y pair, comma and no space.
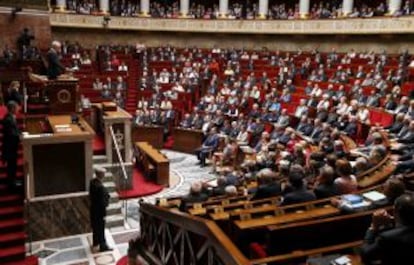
118,153
307,253
223,246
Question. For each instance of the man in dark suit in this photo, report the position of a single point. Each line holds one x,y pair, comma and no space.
11,140
390,239
209,145
352,127
54,68
196,195
99,200
297,192
268,188
13,93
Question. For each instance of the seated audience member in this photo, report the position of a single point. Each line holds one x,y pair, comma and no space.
345,182
324,186
13,94
209,145
392,189
361,165
297,192
97,84
85,59
397,125
390,239
268,186
196,195
122,67
85,102
230,191
106,92
243,136
227,155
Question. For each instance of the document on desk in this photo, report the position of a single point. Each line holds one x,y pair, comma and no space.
63,128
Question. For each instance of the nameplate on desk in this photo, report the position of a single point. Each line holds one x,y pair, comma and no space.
28,136
63,128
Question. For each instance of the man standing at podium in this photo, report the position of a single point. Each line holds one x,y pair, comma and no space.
99,198
11,140
54,66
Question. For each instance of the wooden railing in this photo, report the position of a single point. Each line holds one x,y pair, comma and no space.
171,237
303,255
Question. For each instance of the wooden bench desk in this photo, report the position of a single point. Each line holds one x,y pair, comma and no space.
325,211
152,160
153,134
187,140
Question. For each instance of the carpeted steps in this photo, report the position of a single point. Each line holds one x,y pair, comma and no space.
12,223
131,100
31,260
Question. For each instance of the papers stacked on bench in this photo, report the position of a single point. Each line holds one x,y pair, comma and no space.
374,196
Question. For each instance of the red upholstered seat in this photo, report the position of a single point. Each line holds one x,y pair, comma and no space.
257,251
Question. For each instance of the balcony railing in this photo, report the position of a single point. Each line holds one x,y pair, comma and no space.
380,25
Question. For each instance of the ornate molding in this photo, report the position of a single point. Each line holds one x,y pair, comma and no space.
387,25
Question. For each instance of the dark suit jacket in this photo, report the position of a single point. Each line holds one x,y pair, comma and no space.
99,198
55,68
11,137
395,127
351,129
15,96
392,247
325,191
192,198
305,128
298,196
267,191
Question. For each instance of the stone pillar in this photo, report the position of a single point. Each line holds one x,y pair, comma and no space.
104,6
145,8
184,8
223,8
263,8
304,8
61,5
347,7
394,6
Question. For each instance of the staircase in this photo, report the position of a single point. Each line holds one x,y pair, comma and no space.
114,217
12,224
132,92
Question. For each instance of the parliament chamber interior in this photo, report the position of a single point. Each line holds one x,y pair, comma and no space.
217,132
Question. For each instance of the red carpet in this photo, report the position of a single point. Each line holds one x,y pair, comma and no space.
122,261
98,145
169,143
140,187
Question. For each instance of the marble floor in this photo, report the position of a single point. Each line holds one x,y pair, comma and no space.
76,250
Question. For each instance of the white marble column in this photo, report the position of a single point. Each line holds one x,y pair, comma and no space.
145,7
394,6
223,8
263,8
347,7
61,5
104,6
184,7
304,8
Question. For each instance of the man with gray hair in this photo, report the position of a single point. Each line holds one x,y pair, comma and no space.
54,66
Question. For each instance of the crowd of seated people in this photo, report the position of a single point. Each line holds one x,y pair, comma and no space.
303,151
242,10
